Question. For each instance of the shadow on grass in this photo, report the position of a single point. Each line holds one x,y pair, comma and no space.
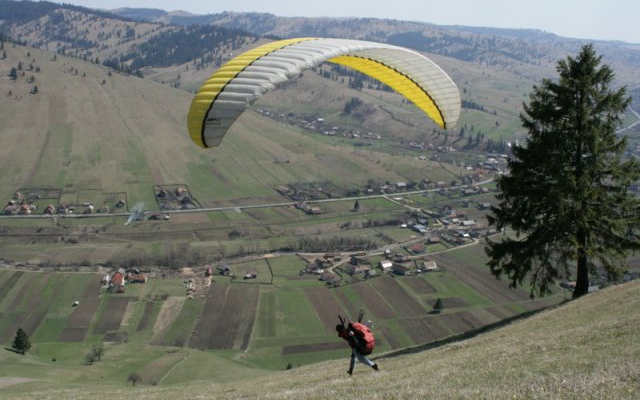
14,351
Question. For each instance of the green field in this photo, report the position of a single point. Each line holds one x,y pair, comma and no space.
285,318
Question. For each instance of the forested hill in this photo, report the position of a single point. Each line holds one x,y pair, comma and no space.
115,41
15,12
473,44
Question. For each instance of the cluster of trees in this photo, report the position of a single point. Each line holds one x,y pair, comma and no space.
22,11
472,48
336,243
497,146
352,105
472,105
182,45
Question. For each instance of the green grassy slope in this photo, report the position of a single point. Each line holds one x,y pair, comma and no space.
92,133
585,349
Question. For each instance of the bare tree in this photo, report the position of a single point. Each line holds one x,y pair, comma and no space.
98,351
134,378
90,358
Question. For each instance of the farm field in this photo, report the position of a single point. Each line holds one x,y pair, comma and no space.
281,318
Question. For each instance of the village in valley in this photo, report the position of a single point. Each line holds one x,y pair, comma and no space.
458,220
446,229
172,198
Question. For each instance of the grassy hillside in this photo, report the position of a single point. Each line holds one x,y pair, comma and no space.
583,349
87,128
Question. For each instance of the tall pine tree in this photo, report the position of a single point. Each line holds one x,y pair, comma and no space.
566,196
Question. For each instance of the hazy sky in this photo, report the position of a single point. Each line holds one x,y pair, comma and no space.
584,19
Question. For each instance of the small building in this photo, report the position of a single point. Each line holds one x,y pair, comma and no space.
469,192
386,265
251,273
357,260
417,248
312,210
180,191
24,209
313,268
370,273
400,258
333,256
428,266
283,190
323,262
224,269
117,281
11,209
357,269
157,216
400,269
137,278
330,278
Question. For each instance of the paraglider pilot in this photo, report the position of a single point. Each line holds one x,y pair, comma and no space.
360,339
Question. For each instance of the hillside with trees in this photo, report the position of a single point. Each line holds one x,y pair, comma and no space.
114,41
507,47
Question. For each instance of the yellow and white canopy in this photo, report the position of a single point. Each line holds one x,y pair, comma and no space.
242,80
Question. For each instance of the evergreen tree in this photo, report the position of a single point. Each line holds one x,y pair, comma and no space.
21,342
438,306
566,196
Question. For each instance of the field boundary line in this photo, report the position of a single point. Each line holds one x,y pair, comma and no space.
175,366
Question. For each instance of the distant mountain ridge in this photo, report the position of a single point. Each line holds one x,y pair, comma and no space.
519,44
64,28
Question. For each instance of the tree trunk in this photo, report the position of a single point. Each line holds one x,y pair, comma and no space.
582,278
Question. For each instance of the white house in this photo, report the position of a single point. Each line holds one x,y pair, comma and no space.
386,264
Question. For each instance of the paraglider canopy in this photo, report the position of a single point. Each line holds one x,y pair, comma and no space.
234,86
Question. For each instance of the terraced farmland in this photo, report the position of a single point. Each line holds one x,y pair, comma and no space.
278,319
